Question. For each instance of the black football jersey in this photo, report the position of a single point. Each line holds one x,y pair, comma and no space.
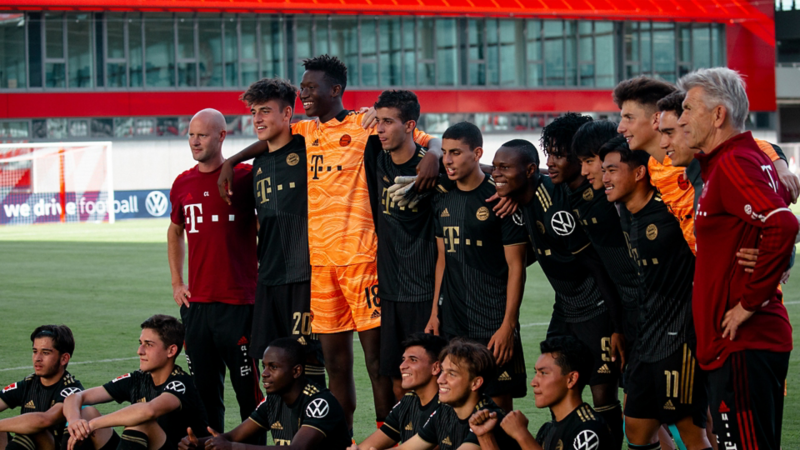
406,241
315,407
30,395
558,243
281,194
445,429
407,417
666,267
138,387
473,291
582,429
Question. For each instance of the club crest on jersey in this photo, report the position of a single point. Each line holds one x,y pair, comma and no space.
560,445
563,223
10,387
176,386
588,194
345,140
318,408
652,232
482,214
683,183
540,227
292,159
586,440
121,377
66,392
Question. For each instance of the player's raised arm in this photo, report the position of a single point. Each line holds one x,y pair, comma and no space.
225,180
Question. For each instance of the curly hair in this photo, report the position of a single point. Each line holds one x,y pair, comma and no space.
404,101
557,136
268,89
333,68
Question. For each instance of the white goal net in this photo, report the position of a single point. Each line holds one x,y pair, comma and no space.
56,182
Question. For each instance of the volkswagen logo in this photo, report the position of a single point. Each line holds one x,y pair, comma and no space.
176,386
563,223
318,408
156,203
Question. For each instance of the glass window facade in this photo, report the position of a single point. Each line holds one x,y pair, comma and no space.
152,51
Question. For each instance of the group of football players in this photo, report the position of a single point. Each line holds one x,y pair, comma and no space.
665,238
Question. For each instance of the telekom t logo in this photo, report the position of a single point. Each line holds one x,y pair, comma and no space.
192,213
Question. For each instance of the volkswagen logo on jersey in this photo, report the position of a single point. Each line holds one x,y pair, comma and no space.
176,386
518,219
318,408
156,203
66,392
586,440
563,223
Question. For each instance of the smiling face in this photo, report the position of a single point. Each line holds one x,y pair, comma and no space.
153,354
278,374
459,161
550,386
592,169
455,384
619,178
638,126
392,131
509,173
316,93
47,361
270,119
417,368
673,140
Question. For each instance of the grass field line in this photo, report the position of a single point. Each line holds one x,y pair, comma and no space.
76,363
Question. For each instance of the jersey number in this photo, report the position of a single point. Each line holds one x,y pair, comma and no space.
302,323
672,381
605,349
372,299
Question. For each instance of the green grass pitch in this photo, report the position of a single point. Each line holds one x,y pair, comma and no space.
104,280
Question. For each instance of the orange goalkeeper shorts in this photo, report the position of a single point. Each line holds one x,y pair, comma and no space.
345,298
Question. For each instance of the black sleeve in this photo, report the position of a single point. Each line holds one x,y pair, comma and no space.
181,387
261,414
513,229
428,432
591,260
371,152
780,153
67,390
595,432
323,413
437,227
12,394
120,388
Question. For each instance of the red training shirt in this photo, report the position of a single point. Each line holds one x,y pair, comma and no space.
222,239
743,205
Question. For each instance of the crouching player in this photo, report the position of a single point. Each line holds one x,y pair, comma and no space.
298,412
562,371
419,373
164,401
41,395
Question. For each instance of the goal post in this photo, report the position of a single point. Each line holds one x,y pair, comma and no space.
56,182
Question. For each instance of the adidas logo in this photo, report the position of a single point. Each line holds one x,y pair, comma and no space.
504,377
447,441
243,341
302,340
723,408
277,426
189,197
604,369
30,405
669,405
375,314
259,171
410,427
445,213
316,143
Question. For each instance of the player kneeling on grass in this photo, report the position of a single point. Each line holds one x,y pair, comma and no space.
164,399
419,373
562,371
298,412
41,395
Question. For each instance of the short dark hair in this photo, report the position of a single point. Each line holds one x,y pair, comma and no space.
432,344
571,355
168,328
268,89
672,102
633,158
466,132
63,341
646,91
404,101
591,136
557,136
478,360
333,68
295,352
525,149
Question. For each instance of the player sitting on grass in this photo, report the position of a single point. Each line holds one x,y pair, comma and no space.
419,373
298,412
562,372
41,395
164,401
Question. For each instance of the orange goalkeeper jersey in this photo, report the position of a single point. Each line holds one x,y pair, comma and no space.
341,230
677,191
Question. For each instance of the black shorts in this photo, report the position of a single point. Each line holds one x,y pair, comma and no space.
283,311
630,331
668,390
596,334
398,321
511,378
746,397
